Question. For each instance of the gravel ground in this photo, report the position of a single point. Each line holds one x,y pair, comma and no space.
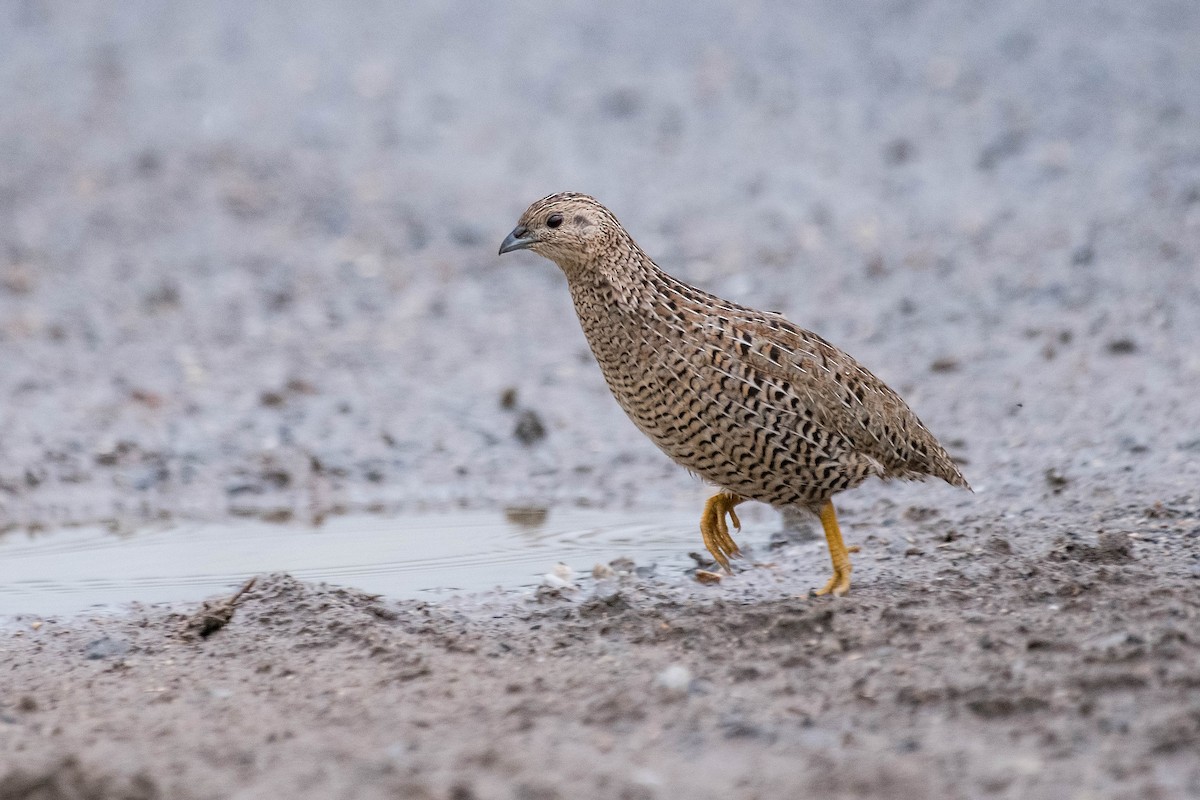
247,268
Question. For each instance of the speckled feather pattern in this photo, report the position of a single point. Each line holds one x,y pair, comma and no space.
745,399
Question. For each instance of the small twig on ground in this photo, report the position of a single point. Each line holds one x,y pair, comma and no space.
213,616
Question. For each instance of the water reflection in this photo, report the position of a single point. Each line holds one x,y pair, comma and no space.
75,569
529,517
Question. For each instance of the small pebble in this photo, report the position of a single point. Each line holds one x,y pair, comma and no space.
529,428
707,578
607,592
105,648
1122,347
623,565
675,679
603,572
561,577
647,780
554,582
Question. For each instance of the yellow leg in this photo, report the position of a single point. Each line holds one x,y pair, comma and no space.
839,584
714,529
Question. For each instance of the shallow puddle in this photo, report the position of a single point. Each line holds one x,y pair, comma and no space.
77,569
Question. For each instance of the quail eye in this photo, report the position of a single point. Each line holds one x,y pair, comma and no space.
554,220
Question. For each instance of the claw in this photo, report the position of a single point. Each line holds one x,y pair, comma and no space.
715,529
838,585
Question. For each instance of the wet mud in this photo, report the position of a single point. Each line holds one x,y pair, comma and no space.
247,275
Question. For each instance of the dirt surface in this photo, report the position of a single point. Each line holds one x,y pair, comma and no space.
247,268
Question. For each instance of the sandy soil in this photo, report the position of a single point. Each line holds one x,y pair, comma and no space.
246,268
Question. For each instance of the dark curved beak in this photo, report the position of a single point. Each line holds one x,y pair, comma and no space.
519,239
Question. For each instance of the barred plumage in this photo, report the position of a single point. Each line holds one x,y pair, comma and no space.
752,403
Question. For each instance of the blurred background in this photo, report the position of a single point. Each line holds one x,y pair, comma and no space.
247,251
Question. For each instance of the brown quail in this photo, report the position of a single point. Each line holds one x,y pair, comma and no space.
761,408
